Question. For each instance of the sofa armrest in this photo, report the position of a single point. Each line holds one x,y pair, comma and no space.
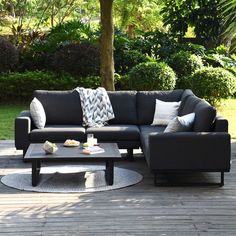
193,151
220,124
22,130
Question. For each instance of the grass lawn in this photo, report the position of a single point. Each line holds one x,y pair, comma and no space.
9,112
228,110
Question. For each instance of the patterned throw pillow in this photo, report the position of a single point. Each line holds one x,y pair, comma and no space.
181,124
37,113
165,112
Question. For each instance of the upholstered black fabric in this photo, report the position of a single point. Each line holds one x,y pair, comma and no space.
23,126
188,105
124,107
57,133
61,107
189,151
204,117
220,124
145,131
184,97
146,101
186,93
115,132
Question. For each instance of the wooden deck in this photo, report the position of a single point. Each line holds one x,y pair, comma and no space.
138,210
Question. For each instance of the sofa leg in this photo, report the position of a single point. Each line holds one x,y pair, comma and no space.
167,184
222,178
130,154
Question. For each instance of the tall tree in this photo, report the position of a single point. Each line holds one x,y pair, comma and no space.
107,38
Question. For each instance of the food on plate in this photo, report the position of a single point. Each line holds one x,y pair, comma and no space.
71,142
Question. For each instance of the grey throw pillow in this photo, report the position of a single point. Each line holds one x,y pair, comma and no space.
165,112
37,113
180,124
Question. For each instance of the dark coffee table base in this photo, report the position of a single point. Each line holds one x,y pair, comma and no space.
36,166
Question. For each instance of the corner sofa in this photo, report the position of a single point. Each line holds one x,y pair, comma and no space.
205,149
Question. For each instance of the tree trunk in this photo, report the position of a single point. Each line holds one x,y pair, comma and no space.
107,38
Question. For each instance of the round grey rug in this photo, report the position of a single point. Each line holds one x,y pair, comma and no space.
72,178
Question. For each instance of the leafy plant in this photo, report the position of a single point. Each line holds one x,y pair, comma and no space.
229,9
213,84
156,44
122,82
20,86
204,16
127,59
152,76
89,82
9,55
77,59
184,63
196,49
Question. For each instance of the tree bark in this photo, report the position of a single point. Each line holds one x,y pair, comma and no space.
107,38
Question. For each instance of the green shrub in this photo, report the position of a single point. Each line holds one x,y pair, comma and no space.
9,55
77,59
196,49
184,63
125,60
213,84
122,82
185,82
89,82
20,86
152,76
156,44
70,31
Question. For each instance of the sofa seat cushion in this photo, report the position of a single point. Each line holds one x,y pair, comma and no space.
58,133
115,133
145,130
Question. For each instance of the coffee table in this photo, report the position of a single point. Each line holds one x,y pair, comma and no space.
36,155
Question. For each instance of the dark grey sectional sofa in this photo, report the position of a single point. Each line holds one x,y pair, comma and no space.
206,148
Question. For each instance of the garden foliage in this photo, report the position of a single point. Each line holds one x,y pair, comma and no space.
152,76
213,84
78,59
9,56
20,86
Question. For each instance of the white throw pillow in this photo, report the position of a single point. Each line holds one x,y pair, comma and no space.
37,113
165,112
180,124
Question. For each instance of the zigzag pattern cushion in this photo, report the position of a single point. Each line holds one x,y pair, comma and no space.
96,107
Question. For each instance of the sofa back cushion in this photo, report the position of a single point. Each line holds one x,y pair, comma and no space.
205,116
146,102
188,105
204,113
124,107
61,107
